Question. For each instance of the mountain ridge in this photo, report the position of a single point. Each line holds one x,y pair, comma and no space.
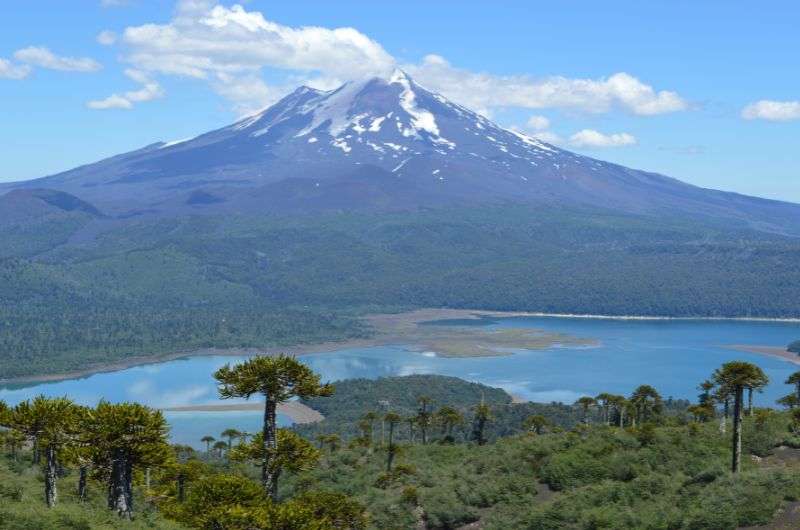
341,149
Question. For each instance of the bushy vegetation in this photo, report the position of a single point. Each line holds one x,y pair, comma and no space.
626,462
22,506
144,287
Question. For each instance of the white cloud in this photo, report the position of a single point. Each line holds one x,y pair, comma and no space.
229,46
44,58
772,110
538,123
592,138
149,90
9,70
106,37
482,90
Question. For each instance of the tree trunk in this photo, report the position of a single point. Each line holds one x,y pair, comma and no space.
390,455
797,391
269,478
749,401
50,472
181,487
120,491
621,417
82,472
36,458
737,430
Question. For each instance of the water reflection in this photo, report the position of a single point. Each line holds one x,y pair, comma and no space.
673,356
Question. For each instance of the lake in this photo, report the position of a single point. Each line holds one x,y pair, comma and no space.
672,355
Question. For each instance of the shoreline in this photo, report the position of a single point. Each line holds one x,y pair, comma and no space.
396,323
299,413
776,352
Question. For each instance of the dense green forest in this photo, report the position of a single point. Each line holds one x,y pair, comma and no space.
633,462
110,289
354,398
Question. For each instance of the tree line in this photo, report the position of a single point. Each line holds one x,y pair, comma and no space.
123,447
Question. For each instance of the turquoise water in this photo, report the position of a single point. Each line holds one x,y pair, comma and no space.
672,355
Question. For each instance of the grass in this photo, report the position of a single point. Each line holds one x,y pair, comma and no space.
22,504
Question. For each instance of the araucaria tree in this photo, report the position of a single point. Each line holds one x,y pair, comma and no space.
392,419
483,414
604,401
735,377
208,440
647,403
125,436
278,379
448,417
792,400
54,422
585,403
293,453
230,434
424,417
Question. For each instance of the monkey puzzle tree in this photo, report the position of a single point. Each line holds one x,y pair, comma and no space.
122,437
424,417
182,469
619,403
448,417
220,447
368,419
292,453
278,379
483,415
722,395
412,423
794,379
646,402
230,434
208,440
604,401
585,403
789,401
54,422
535,423
393,419
736,376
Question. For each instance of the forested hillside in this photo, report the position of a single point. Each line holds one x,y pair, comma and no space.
142,287
428,463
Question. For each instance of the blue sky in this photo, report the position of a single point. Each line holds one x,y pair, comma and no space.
708,92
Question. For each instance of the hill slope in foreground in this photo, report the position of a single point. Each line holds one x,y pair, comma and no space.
668,472
378,196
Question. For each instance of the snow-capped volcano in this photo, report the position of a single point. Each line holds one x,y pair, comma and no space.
381,143
396,125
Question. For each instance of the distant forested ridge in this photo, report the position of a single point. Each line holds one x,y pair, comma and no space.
100,290
356,397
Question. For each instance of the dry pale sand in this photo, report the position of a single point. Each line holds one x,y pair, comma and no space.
298,412
770,351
